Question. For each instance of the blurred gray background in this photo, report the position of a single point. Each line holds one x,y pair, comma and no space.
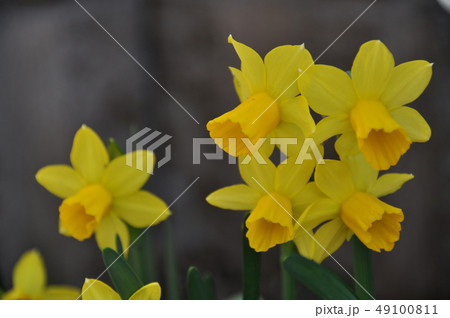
58,70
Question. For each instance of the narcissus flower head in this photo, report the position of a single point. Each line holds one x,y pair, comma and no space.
350,205
276,197
270,105
97,290
100,194
367,109
30,281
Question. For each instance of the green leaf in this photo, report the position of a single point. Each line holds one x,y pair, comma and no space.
251,268
119,245
114,149
141,255
210,287
195,286
320,280
124,279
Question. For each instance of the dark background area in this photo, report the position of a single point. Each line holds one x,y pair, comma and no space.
58,70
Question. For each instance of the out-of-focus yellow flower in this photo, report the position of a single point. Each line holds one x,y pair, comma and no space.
30,281
368,108
350,205
270,105
96,290
276,197
99,194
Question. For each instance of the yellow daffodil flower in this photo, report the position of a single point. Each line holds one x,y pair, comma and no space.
30,281
96,290
270,105
367,109
276,197
99,195
350,205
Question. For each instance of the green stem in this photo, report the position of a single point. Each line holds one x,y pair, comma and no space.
289,286
173,291
251,268
362,266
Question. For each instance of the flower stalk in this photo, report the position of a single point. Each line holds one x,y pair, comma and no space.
172,279
289,288
362,267
251,268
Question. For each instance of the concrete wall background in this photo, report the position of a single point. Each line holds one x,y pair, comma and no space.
60,70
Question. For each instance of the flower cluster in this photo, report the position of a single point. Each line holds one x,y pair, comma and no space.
101,195
319,205
316,203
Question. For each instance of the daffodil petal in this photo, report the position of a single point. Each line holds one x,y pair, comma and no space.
236,197
347,145
106,231
259,176
331,126
122,179
240,84
389,183
330,236
267,147
334,178
150,291
89,156
372,69
329,90
97,290
303,241
59,292
364,176
29,274
407,83
414,124
306,196
318,212
60,180
290,131
140,209
282,67
296,111
292,177
252,66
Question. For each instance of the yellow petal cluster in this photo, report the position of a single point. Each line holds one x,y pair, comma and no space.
350,205
94,289
270,102
367,109
30,281
101,195
276,196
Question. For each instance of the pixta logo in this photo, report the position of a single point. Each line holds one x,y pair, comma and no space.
146,139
